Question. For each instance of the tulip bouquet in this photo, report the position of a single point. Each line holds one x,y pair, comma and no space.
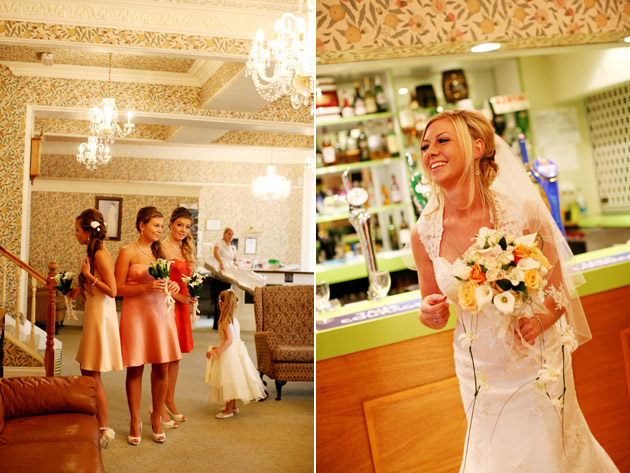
64,285
161,269
193,283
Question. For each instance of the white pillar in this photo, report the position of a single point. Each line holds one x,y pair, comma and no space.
307,260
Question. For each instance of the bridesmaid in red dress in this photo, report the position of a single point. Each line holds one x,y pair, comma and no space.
178,247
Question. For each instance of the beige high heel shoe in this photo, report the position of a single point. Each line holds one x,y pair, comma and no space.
177,417
158,438
171,424
134,440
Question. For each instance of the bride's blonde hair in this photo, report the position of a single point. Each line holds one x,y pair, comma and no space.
470,125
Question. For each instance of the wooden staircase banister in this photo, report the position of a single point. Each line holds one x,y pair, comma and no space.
25,266
49,354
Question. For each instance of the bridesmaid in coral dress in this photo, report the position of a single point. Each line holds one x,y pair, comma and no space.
99,350
147,330
178,247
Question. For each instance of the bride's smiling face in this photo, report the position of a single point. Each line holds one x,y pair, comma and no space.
441,153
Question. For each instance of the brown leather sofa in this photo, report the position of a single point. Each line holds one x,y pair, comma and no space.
285,348
48,425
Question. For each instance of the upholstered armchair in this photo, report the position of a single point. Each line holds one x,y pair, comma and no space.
284,338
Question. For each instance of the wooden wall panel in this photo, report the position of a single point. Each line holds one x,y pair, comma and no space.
407,429
600,373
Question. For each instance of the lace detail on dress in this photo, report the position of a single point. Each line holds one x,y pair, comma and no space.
558,296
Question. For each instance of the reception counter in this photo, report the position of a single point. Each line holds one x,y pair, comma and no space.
388,383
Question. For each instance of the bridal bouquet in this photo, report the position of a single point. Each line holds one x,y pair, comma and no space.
502,271
161,269
193,283
64,285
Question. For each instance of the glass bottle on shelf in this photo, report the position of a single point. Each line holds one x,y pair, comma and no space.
369,99
393,234
328,150
395,191
364,151
378,240
340,151
352,149
404,234
319,160
392,140
384,195
381,101
359,103
346,110
374,140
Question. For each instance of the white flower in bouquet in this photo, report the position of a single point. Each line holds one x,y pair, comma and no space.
467,338
64,285
504,302
161,269
193,283
484,295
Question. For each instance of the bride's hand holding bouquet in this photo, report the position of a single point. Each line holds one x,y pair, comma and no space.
161,271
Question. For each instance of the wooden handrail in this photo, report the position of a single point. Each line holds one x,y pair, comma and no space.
25,266
49,354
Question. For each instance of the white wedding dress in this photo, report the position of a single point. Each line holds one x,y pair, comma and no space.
514,427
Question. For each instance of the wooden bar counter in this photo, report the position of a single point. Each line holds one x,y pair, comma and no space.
388,398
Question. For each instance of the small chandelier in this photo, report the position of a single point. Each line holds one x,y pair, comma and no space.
93,153
104,118
271,186
292,53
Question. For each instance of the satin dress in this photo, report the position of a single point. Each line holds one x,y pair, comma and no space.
147,331
99,349
180,269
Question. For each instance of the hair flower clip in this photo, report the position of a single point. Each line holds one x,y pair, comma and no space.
94,224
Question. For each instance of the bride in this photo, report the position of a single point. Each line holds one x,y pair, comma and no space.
517,384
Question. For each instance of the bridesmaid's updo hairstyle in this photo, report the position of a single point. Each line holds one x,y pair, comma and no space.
145,214
188,249
92,222
471,125
227,299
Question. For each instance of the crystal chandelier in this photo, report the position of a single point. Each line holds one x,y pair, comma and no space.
290,56
271,186
93,153
104,118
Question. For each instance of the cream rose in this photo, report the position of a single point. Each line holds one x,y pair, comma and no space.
532,280
467,297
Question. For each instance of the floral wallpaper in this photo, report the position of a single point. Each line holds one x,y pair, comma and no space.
354,30
154,169
16,356
219,79
53,238
91,58
11,29
252,138
63,126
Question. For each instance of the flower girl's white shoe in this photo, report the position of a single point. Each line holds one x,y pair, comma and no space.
223,415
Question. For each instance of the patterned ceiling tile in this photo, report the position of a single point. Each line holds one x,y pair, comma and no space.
64,126
219,79
362,31
88,58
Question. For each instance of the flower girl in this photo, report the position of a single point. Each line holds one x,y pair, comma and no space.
232,374
99,350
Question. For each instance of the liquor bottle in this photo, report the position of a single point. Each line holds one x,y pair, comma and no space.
374,140
328,150
393,234
358,104
384,195
368,97
363,144
404,234
319,160
381,101
353,154
395,191
378,240
392,140
347,110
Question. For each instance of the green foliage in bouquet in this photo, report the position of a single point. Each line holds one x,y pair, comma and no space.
160,269
64,281
193,283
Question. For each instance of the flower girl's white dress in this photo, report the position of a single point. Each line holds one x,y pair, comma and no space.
232,375
515,427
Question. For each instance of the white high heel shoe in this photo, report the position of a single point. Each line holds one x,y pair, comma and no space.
134,440
177,417
171,424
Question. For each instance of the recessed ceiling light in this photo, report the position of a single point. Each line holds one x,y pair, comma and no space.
403,91
485,47
627,39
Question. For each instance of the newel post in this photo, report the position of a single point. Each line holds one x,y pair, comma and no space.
49,356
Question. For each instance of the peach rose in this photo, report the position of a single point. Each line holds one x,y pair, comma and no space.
467,297
477,275
521,252
532,280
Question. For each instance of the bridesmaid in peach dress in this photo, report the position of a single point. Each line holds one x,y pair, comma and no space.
99,349
178,247
147,330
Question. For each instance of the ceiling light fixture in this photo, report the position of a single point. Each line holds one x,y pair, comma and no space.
485,47
271,186
93,153
627,39
290,56
104,118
